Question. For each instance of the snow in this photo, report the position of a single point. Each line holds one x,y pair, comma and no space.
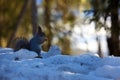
22,65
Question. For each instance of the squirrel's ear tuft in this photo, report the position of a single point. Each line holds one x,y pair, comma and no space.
39,30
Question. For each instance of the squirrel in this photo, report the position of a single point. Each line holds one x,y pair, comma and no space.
33,45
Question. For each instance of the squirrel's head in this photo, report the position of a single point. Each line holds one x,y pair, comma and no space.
41,37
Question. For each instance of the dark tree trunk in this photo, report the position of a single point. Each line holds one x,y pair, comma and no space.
115,28
34,16
17,23
110,45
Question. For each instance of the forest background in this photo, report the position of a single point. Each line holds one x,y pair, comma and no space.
61,20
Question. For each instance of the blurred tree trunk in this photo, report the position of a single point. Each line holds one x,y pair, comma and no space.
2,3
115,28
0,41
34,16
99,47
65,45
17,22
47,14
97,25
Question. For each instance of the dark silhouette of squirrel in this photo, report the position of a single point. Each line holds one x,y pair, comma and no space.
33,45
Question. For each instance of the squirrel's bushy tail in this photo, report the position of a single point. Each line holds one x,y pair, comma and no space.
20,43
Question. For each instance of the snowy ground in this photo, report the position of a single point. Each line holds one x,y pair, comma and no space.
22,65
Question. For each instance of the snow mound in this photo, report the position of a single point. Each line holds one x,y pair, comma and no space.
54,50
54,66
8,53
